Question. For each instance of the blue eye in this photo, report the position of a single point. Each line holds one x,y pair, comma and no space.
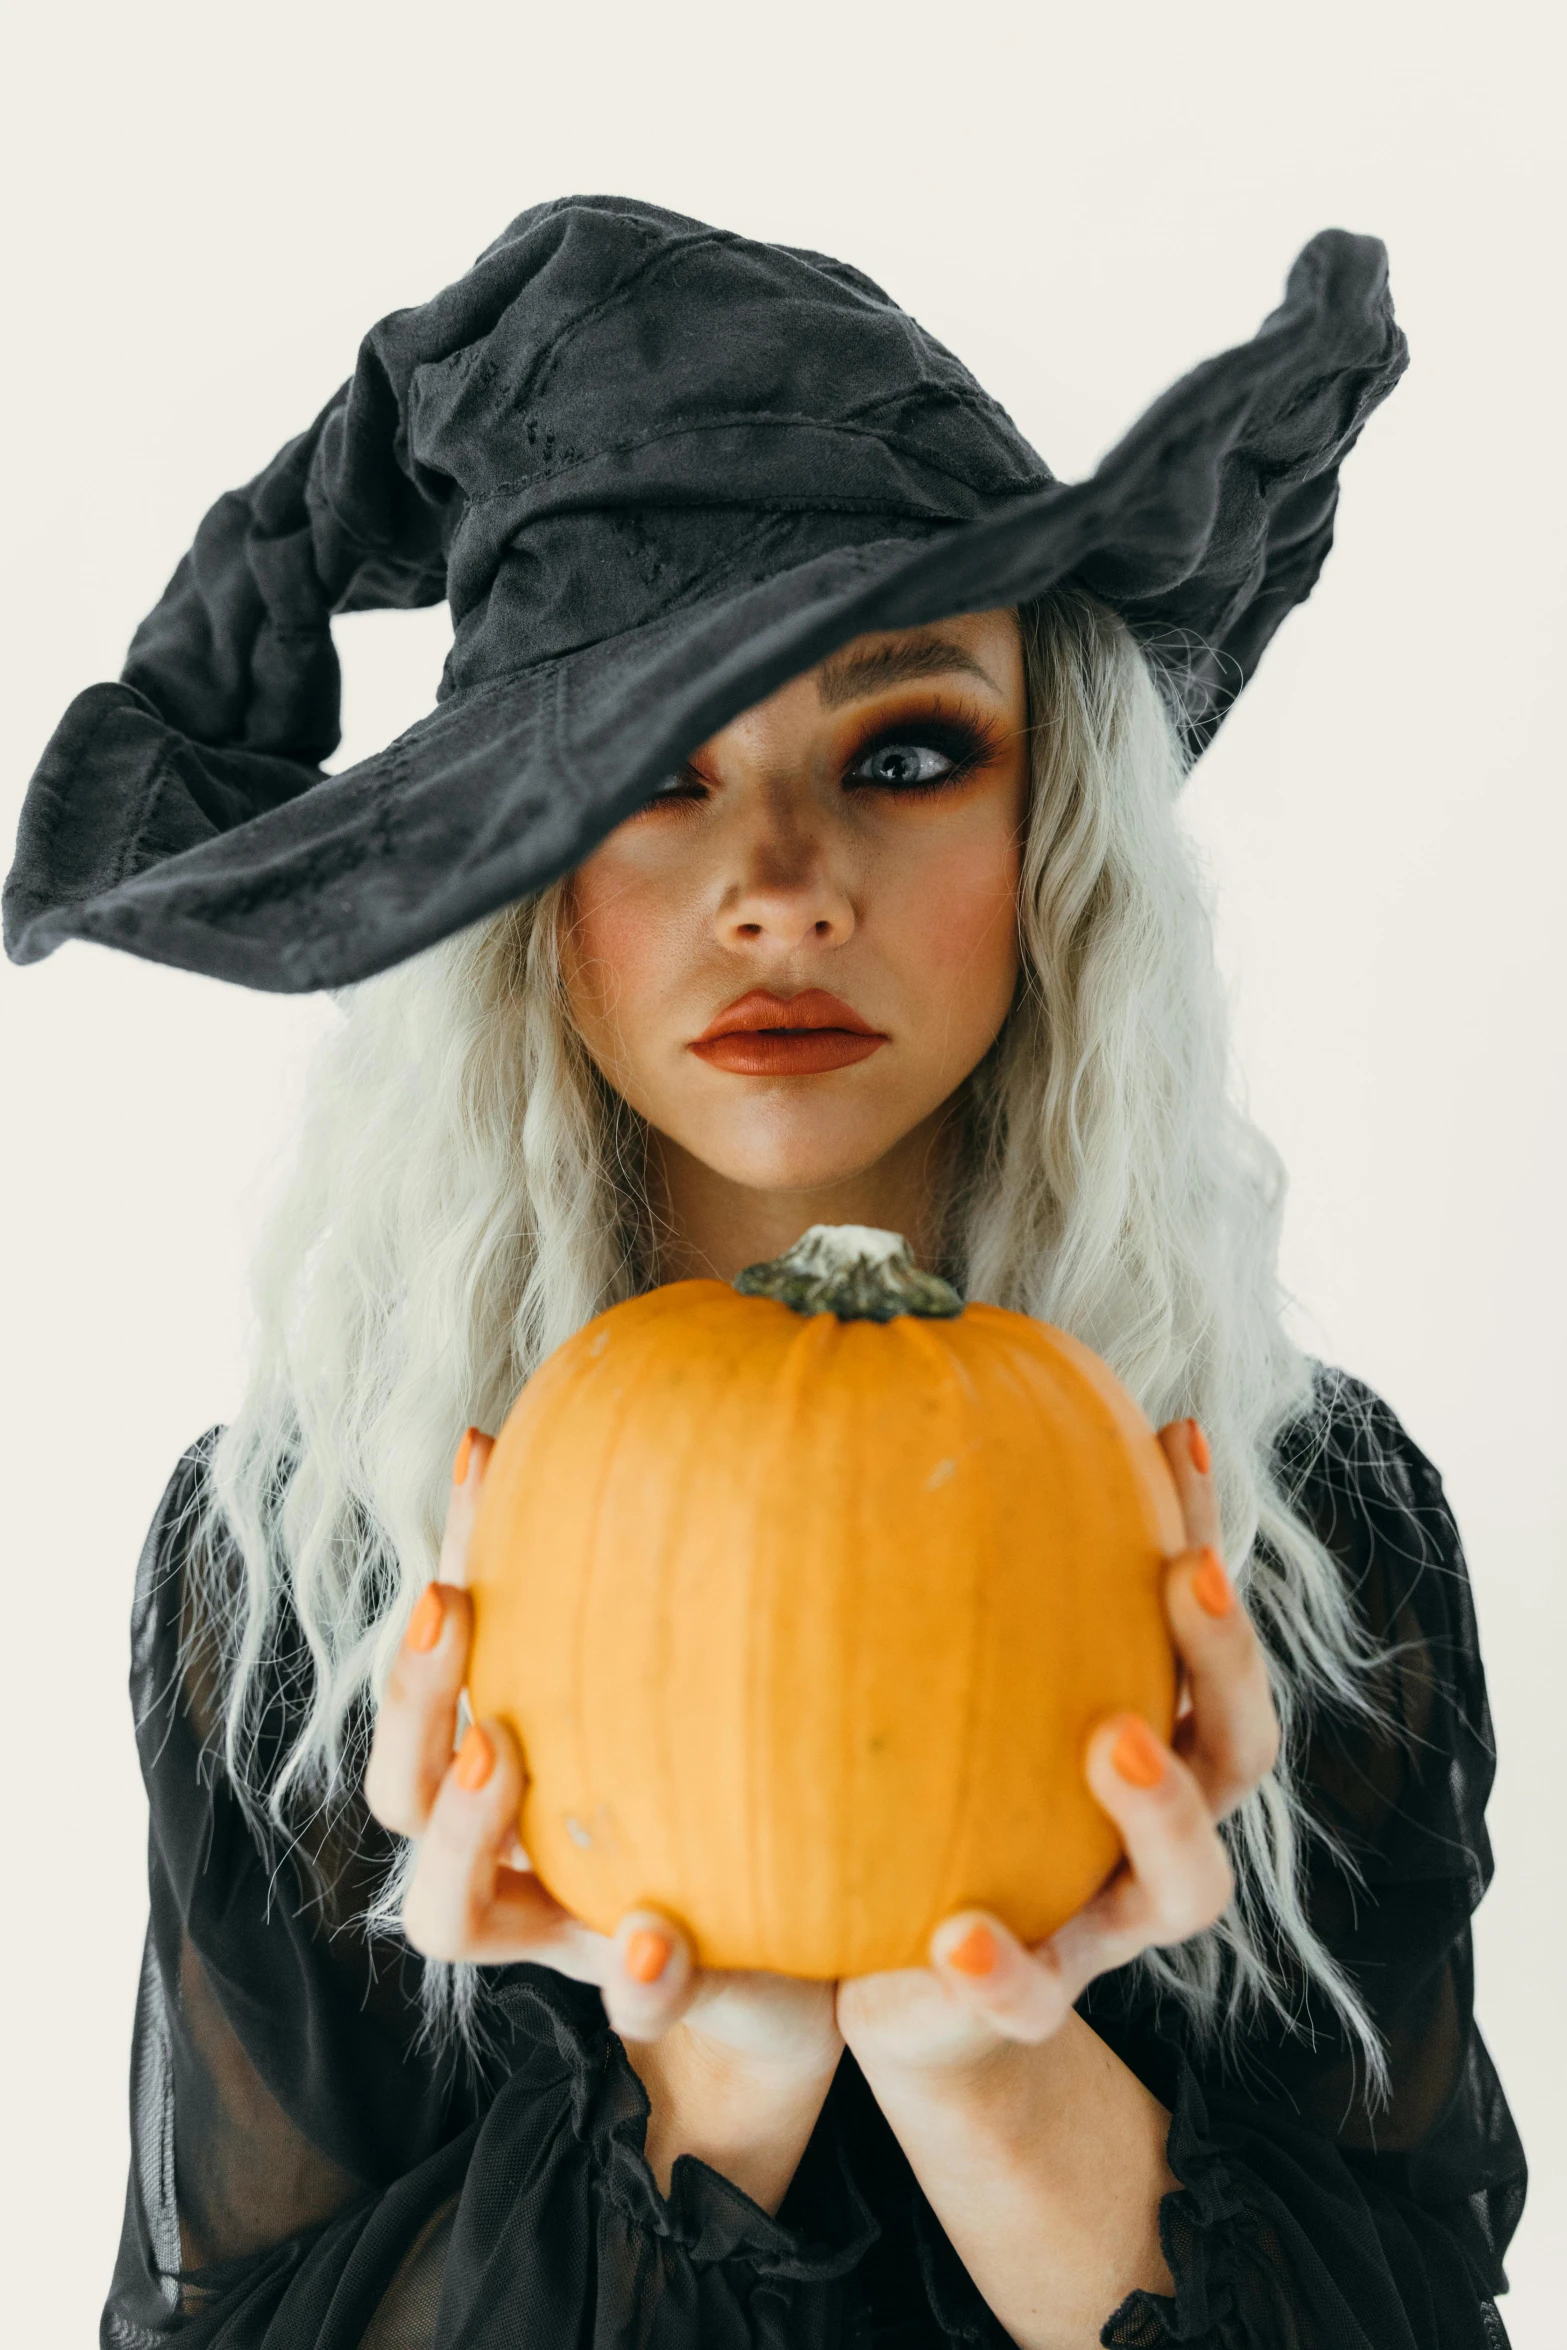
903,766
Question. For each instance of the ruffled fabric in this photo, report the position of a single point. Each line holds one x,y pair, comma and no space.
308,2174
542,2222
1271,2238
1273,2243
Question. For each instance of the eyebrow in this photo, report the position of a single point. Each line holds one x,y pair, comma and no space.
844,677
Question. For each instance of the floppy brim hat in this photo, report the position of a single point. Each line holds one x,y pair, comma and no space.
657,470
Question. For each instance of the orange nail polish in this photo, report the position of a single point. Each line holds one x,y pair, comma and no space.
464,1455
1211,1586
976,1954
1136,1754
1202,1458
475,1759
647,1954
424,1625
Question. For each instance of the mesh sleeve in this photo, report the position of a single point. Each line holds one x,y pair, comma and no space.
1311,2212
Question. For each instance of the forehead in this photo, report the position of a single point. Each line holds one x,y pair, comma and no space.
979,651
985,646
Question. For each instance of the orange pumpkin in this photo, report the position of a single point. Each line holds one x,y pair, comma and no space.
802,1611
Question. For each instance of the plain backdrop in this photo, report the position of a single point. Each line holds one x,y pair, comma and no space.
206,206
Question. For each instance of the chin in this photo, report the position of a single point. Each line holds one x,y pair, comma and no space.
764,1158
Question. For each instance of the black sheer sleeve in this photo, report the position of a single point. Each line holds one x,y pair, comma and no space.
308,2175
1311,2215
276,2071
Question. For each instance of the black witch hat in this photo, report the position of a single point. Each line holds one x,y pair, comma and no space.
656,470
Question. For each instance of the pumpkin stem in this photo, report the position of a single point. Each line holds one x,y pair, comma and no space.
853,1271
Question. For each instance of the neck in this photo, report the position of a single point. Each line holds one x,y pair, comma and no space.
710,1227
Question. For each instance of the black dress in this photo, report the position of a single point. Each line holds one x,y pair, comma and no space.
307,2174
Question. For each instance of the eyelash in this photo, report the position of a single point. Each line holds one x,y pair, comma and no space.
970,743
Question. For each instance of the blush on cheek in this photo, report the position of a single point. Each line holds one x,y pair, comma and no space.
958,928
616,939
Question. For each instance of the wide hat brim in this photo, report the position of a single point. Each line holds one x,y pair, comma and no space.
1203,527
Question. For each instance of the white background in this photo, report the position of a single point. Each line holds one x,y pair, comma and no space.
207,206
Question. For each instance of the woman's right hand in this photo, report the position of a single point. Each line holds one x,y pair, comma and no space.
754,2054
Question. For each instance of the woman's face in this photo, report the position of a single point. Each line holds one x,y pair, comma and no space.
791,957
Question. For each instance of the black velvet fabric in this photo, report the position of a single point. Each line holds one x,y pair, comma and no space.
308,2174
657,470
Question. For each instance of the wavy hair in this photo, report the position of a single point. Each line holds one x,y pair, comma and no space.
469,1192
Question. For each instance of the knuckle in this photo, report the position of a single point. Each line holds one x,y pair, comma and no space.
420,1928
1250,1751
1227,1771
1041,2013
1236,1640
384,1800
1221,1892
451,1651
1199,1884
1178,1798
1229,1642
634,2019
1221,1877
407,1685
1136,1916
1211,1890
1227,1791
1237,1749
1195,1907
373,1788
432,1930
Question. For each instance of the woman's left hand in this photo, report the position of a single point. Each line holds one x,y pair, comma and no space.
983,1987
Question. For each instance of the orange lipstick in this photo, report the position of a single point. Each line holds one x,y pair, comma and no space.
766,1035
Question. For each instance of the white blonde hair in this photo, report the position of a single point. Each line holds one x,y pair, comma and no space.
468,1193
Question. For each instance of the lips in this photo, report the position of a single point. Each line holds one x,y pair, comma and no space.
765,1035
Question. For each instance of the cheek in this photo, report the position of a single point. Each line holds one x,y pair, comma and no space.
952,925
622,944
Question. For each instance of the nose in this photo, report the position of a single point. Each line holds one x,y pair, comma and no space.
786,894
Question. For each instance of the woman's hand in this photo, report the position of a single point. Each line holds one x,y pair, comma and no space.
736,2065
983,1987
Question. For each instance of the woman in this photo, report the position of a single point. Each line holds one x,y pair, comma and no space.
795,843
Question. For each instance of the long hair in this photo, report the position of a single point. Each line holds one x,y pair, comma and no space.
469,1192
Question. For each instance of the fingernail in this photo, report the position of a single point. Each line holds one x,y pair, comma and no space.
977,1953
1211,1586
464,1455
424,1625
1136,1754
1202,1458
647,1954
475,1759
